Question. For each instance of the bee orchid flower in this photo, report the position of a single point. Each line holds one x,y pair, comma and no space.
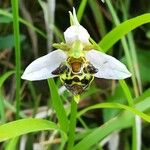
76,62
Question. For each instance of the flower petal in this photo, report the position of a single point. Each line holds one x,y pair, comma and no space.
75,33
108,66
42,67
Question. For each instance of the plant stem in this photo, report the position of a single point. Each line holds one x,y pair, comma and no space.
81,9
2,108
15,11
127,92
72,125
97,13
58,106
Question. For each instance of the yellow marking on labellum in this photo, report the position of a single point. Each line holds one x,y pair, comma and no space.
76,73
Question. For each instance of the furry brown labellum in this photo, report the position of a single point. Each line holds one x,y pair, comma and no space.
76,74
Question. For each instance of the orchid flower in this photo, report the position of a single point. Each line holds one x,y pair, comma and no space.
76,61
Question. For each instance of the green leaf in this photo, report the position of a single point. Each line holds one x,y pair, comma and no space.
81,9
118,106
5,76
24,126
58,105
121,121
143,59
8,41
117,97
2,107
99,133
9,15
122,29
98,17
144,95
12,144
4,19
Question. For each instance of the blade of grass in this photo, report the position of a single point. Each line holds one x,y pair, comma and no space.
15,11
13,108
127,92
9,15
24,126
2,109
99,133
122,29
72,125
12,144
4,77
121,121
81,9
48,8
2,106
58,33
58,105
118,106
98,17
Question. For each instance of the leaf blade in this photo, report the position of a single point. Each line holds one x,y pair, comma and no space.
24,126
121,30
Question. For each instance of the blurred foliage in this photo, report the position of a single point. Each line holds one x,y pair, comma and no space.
35,99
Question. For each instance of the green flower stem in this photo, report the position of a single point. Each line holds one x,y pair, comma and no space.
72,125
15,11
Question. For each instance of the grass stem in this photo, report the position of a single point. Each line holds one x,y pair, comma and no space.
72,125
15,10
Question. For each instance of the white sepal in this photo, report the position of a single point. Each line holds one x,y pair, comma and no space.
42,67
108,66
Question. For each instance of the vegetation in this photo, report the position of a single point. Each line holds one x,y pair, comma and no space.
111,114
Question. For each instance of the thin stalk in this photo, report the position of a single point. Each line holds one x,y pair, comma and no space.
97,13
50,23
72,125
58,105
83,123
127,92
81,9
15,11
2,108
